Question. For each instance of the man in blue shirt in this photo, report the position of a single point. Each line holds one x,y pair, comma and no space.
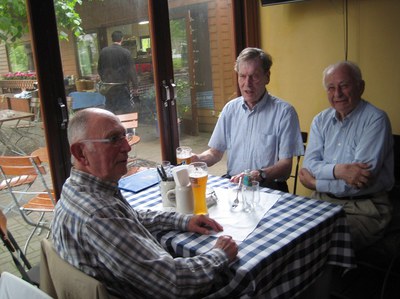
260,132
349,156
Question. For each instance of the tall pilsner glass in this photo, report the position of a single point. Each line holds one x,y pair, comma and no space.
198,174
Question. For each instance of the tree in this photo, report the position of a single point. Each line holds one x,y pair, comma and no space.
14,22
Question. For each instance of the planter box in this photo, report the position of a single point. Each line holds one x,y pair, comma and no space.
17,84
20,104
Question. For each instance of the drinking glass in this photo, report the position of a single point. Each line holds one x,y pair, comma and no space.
198,174
256,193
248,198
183,155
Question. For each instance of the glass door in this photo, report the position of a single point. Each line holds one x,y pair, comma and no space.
187,68
203,53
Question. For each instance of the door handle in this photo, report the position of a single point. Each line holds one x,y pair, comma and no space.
64,114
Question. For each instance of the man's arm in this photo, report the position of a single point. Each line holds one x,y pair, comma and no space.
280,170
210,156
204,225
365,157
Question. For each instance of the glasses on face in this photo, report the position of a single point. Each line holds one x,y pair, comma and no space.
115,140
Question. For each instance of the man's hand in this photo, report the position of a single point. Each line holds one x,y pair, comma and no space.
228,245
203,224
355,174
307,179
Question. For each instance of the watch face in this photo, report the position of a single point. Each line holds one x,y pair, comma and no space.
262,174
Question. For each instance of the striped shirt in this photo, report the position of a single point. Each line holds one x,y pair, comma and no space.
96,230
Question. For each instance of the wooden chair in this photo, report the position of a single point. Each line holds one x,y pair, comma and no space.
304,136
40,202
28,273
130,122
23,181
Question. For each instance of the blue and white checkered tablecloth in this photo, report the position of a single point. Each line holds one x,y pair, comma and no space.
291,246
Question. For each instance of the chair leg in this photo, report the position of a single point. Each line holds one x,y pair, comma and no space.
39,225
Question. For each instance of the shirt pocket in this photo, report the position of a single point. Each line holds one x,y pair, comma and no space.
349,150
266,148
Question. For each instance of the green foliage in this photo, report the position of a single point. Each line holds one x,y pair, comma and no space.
182,97
14,23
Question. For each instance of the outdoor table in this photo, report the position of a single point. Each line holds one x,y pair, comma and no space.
290,248
12,115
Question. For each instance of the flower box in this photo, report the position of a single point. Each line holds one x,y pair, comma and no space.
13,84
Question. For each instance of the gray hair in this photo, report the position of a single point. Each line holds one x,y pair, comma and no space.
77,126
355,71
254,53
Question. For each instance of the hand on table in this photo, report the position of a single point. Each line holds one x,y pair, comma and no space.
204,225
228,245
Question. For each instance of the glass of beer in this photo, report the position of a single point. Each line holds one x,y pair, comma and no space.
198,175
183,155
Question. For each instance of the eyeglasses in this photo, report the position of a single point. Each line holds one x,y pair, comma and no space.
115,140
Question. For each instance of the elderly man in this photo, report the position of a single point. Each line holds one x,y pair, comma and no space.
260,132
349,156
97,231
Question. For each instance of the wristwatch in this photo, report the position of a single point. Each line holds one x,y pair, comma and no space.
262,174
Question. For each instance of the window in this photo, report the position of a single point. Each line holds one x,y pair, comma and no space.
88,54
20,58
145,43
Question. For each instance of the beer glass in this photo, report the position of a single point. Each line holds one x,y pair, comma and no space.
198,175
183,155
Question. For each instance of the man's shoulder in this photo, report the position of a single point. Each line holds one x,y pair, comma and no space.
371,108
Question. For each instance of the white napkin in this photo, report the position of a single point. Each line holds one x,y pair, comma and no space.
239,224
181,175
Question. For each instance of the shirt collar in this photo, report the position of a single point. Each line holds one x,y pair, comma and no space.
261,103
351,115
84,178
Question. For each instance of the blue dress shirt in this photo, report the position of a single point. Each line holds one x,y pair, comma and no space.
364,135
257,138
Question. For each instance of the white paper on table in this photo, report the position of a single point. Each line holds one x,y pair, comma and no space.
239,224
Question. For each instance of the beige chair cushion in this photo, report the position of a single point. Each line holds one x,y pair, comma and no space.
61,280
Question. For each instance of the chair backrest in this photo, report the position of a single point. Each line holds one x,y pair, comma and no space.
83,99
61,280
17,167
21,165
12,287
304,137
129,120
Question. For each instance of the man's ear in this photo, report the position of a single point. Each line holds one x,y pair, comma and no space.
78,153
362,87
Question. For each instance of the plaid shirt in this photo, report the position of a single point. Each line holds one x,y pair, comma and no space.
97,231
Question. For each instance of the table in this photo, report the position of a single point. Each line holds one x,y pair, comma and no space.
12,115
290,248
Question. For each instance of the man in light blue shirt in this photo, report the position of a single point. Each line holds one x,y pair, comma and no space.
349,156
260,132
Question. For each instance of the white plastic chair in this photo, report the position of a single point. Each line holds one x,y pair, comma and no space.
13,287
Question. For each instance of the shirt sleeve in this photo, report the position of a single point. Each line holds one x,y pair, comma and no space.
290,141
136,258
